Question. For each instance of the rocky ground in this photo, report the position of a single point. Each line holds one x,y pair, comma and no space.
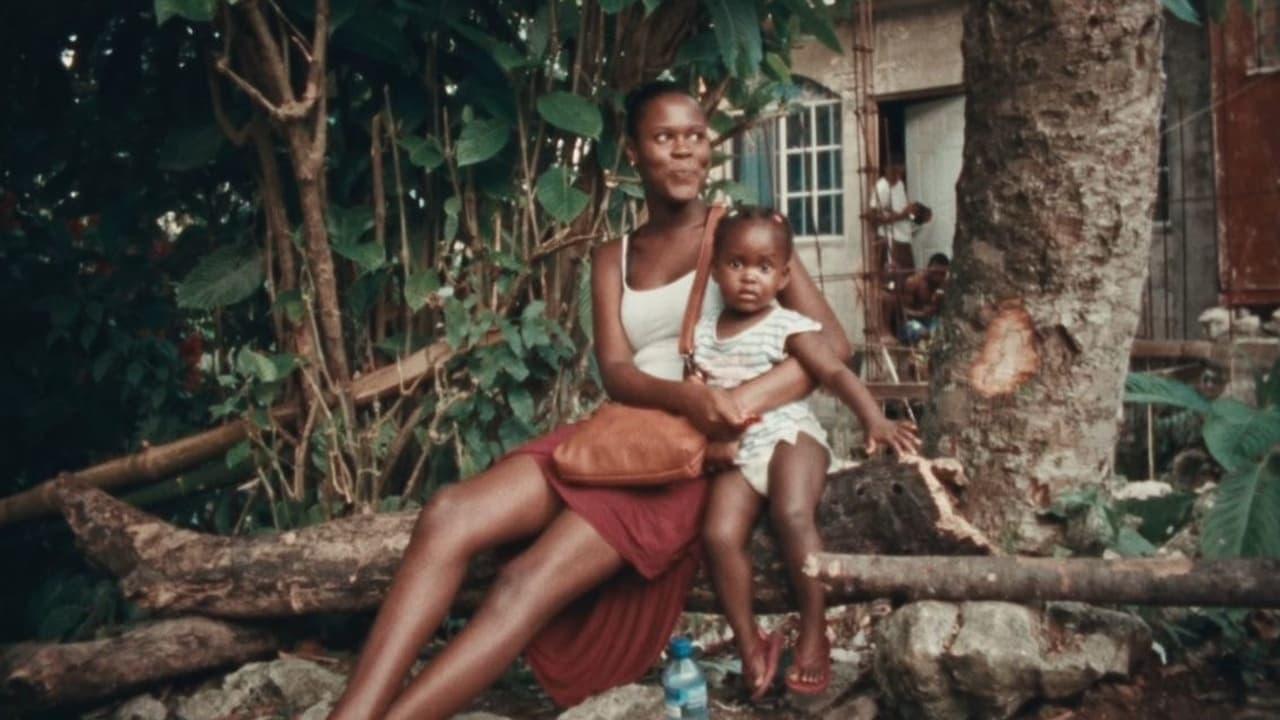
927,660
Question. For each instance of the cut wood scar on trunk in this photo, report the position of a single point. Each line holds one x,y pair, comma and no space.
1146,581
1010,354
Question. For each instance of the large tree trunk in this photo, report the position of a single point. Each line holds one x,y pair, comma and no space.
41,675
1053,226
1145,581
346,565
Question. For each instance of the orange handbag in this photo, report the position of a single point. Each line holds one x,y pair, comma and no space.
621,445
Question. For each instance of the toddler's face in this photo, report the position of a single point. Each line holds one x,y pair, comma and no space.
751,266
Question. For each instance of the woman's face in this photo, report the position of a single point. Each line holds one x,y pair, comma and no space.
671,150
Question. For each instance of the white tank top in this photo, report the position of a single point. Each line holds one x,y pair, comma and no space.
651,320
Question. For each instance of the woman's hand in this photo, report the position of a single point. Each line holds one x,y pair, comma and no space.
715,413
720,456
901,437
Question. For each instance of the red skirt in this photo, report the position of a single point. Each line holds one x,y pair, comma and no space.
613,634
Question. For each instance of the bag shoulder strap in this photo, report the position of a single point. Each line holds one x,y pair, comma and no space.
693,309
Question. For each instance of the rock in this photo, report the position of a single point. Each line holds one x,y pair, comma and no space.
862,707
995,656
1142,490
908,661
628,702
143,707
988,659
289,682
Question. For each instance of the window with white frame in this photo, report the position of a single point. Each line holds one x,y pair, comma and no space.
796,163
810,172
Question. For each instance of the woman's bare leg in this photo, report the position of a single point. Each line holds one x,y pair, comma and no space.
797,475
731,515
509,501
568,559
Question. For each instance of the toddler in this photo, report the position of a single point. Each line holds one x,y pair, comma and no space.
751,264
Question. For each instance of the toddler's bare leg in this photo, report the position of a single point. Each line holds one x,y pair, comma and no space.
797,476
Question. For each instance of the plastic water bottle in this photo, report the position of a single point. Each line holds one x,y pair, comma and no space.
683,683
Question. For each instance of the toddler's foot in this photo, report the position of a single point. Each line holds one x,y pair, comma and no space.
810,674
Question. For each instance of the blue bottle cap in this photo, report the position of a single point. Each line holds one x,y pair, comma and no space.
681,647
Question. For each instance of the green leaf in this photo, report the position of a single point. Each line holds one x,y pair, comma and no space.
1158,390
456,320
480,140
238,453
511,334
650,6
419,287
571,112
194,10
1161,516
1237,435
1245,518
224,277
291,304
538,31
558,197
189,148
1130,543
58,622
816,21
423,152
507,57
375,33
1182,10
285,363
521,404
368,256
257,365
777,67
348,225
737,27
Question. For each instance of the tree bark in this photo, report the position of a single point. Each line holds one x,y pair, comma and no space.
161,461
1146,581
1053,229
40,675
346,565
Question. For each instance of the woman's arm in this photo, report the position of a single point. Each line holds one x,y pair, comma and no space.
788,381
712,411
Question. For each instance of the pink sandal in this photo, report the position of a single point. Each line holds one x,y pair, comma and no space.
772,648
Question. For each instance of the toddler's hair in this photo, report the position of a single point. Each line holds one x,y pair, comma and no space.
745,214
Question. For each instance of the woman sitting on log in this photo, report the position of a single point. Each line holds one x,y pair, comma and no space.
593,597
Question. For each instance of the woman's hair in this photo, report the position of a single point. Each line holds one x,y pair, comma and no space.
638,98
745,214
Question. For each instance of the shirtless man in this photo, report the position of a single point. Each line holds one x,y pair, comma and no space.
922,299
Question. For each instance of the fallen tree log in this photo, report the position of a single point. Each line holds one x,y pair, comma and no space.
41,675
160,461
1129,581
346,565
